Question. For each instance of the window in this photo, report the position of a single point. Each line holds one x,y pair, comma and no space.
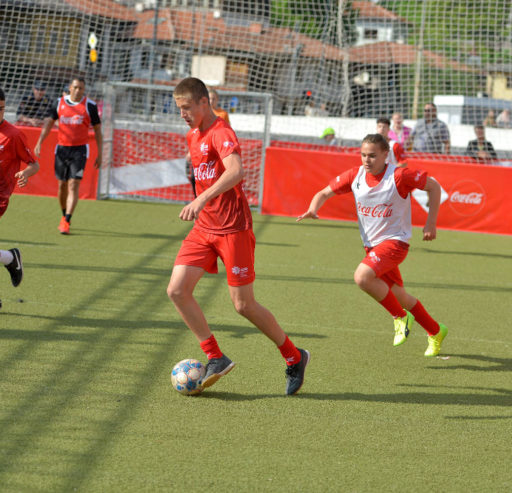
23,37
52,45
39,40
237,74
371,34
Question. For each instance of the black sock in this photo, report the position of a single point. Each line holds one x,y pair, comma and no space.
68,218
63,212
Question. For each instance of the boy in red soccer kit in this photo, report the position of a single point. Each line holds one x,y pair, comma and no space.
382,194
76,113
13,150
222,228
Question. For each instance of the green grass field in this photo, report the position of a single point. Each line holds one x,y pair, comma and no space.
88,340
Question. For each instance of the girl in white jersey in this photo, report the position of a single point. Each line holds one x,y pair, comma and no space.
382,194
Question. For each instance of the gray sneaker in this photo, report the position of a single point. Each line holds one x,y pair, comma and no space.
15,268
295,373
216,368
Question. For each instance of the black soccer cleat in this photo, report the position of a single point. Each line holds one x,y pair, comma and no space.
15,268
295,373
216,368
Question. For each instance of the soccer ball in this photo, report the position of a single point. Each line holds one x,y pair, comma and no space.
187,375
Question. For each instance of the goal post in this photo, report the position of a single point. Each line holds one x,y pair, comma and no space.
144,144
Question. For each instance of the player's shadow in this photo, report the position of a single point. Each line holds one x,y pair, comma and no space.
463,396
457,253
490,363
124,234
241,332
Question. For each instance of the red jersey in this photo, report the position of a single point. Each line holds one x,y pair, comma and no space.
396,154
406,180
74,121
13,150
229,212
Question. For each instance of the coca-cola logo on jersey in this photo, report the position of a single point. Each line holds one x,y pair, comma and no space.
72,120
205,171
379,210
466,197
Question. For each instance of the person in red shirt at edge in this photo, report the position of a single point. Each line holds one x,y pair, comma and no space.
382,195
76,114
222,228
13,150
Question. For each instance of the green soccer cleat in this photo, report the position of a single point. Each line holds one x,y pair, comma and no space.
434,342
403,327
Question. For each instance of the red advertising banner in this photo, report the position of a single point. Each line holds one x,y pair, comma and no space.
474,197
44,182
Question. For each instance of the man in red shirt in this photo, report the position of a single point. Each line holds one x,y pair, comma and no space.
13,150
222,228
382,194
76,114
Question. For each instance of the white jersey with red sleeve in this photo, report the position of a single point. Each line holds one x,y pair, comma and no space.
229,212
383,202
396,153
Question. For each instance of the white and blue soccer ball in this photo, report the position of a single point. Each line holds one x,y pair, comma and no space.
187,375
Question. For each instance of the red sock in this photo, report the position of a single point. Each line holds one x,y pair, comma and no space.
211,348
391,304
290,353
424,319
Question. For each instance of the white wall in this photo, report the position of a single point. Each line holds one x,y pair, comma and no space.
357,128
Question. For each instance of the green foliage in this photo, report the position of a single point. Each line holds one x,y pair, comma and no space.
459,28
316,19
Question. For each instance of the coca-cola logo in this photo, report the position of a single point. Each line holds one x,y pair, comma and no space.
72,120
205,171
467,197
379,210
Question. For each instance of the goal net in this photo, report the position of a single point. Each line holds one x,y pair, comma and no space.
145,146
336,64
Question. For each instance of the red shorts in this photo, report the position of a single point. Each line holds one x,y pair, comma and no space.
385,258
236,250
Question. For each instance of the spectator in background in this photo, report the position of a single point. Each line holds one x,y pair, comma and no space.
490,119
310,108
431,135
34,106
399,132
322,110
396,153
329,137
214,103
504,119
480,149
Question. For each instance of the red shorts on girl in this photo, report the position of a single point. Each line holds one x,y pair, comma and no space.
236,250
385,258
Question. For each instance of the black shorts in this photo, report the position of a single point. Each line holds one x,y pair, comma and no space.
70,162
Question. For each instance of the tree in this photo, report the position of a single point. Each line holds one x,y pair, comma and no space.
317,19
460,29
